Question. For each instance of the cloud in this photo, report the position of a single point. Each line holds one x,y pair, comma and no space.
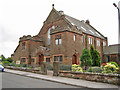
8,42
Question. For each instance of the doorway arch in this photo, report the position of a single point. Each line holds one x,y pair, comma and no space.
74,59
41,58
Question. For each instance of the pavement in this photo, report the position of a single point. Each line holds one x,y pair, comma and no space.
64,80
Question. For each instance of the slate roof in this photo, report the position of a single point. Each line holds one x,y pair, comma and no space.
112,49
82,25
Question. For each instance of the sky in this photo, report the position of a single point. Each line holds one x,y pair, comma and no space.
26,17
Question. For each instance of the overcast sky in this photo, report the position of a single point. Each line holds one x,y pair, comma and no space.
26,17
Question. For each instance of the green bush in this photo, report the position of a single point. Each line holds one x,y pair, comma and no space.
65,67
115,64
6,63
24,65
18,65
95,69
12,64
76,68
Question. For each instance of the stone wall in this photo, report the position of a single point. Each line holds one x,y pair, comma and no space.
99,77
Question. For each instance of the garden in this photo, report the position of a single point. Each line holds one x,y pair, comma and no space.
90,62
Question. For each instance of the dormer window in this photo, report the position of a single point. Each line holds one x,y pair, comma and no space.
23,45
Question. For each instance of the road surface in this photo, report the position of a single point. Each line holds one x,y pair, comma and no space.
17,81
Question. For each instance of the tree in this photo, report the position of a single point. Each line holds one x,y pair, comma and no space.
2,57
9,59
95,56
92,52
85,58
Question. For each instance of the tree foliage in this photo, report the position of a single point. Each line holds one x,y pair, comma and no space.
2,57
95,56
86,59
9,59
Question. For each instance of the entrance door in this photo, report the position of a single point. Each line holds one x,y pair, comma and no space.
74,59
41,58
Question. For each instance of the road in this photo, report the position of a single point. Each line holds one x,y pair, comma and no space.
17,81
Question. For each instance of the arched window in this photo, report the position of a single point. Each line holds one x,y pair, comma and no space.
48,34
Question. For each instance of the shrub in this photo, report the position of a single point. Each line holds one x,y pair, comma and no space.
6,63
18,65
76,68
95,56
12,64
24,65
110,68
86,59
115,64
95,69
65,67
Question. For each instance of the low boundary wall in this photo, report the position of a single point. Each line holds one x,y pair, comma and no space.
99,77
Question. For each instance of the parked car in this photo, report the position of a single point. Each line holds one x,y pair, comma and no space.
1,68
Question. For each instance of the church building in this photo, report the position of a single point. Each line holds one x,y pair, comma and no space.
62,38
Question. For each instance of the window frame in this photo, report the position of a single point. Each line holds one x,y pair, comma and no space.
82,40
48,36
47,59
104,43
74,37
58,58
98,42
23,60
90,40
58,39
23,45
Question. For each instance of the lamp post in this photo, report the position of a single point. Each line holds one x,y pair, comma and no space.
118,22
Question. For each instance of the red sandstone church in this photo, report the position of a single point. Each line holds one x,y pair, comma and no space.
62,38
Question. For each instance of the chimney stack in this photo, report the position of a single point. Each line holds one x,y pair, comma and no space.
87,21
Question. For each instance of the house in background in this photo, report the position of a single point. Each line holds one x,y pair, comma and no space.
112,53
62,38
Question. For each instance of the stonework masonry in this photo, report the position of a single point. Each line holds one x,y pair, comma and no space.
62,38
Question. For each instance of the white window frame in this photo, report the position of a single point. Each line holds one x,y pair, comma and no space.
98,42
104,43
48,38
90,40
56,41
74,37
82,39
60,41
